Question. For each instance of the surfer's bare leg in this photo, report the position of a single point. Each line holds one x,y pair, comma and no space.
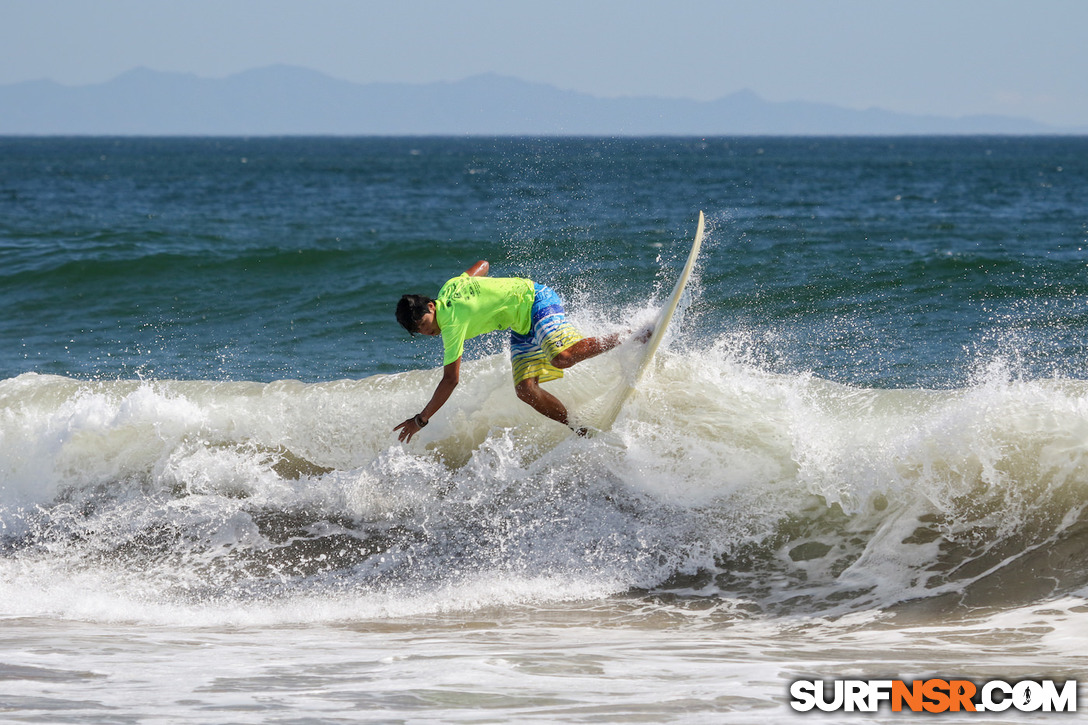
529,390
543,402
584,349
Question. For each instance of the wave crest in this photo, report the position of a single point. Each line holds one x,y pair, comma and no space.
721,481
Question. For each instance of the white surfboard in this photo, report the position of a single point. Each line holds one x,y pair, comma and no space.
660,327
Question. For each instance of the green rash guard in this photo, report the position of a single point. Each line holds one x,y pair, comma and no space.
470,306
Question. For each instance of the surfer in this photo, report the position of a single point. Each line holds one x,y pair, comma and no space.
542,342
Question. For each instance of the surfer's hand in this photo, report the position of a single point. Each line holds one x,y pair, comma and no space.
643,335
408,429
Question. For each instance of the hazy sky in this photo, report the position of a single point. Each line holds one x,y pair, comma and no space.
1025,58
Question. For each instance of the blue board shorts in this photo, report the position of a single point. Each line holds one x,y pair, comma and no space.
549,334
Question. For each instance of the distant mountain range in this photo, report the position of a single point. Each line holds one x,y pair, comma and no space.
283,100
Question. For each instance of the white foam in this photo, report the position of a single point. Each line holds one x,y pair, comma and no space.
168,496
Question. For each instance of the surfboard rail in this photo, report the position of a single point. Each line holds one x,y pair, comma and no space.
660,328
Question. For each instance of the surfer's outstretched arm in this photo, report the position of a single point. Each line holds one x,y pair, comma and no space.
480,269
451,375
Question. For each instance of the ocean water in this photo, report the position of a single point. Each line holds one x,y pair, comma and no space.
861,453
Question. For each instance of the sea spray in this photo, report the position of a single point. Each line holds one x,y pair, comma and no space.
721,480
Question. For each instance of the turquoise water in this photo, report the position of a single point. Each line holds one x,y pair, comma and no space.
862,451
892,262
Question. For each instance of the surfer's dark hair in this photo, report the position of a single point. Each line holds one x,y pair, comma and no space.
410,311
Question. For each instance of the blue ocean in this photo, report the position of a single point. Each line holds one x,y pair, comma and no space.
862,451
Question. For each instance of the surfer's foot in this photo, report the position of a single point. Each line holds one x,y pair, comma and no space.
644,335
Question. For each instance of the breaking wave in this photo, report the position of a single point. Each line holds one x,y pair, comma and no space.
722,485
